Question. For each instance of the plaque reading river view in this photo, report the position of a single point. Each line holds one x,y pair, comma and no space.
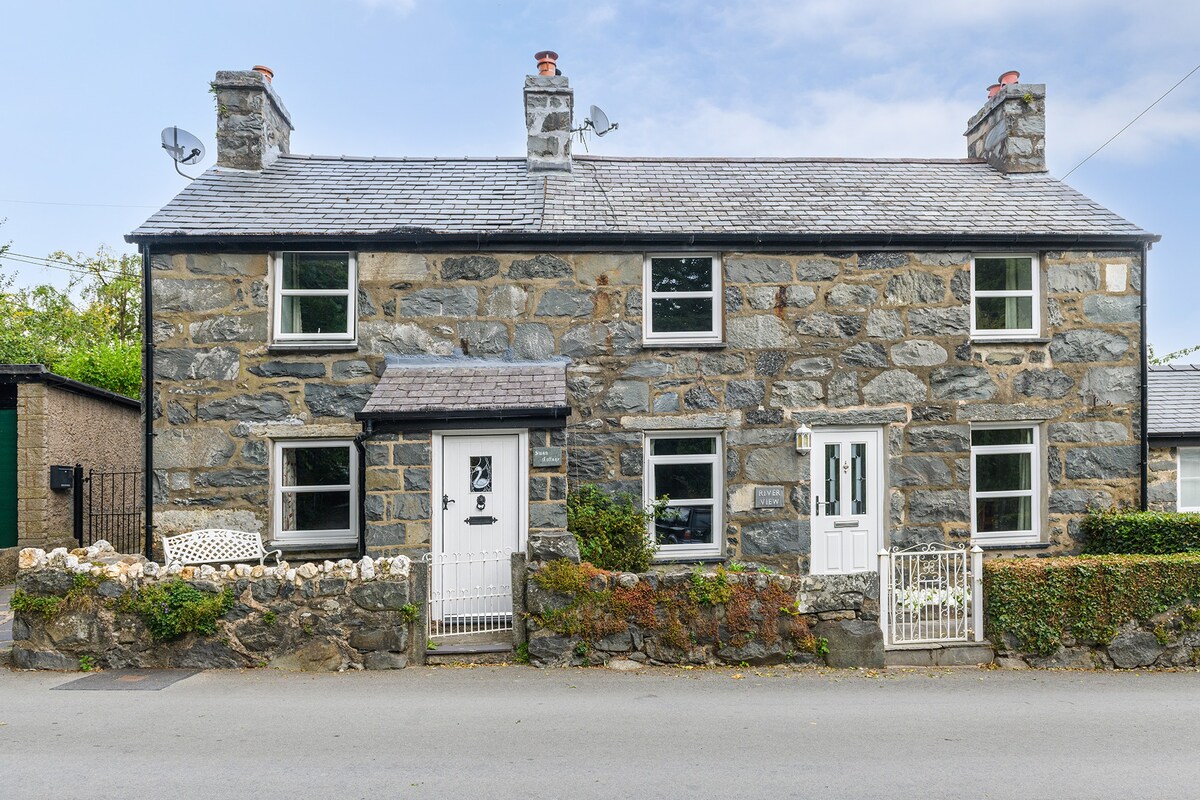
768,497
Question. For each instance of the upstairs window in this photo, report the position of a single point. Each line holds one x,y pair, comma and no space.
315,297
1005,485
1004,296
682,302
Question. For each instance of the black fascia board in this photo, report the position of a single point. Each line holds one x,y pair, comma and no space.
594,241
1183,439
555,414
37,373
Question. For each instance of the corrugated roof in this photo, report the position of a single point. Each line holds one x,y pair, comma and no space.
343,196
1173,398
456,387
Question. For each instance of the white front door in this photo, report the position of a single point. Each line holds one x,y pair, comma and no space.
847,499
480,525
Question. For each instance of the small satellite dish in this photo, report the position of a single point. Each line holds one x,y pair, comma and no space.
598,121
182,147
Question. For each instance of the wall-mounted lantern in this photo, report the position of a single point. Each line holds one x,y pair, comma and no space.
803,439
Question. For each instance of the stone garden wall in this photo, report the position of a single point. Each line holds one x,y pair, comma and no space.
579,615
879,338
1168,639
89,608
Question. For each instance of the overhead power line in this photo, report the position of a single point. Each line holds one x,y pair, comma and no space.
51,263
1135,119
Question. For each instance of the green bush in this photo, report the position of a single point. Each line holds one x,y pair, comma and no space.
612,531
109,365
175,608
1144,532
1042,602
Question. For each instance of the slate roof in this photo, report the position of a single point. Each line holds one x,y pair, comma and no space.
1173,400
458,387
343,196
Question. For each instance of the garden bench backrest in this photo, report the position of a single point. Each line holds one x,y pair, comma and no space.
215,546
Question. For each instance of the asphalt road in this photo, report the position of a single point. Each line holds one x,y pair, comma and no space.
492,732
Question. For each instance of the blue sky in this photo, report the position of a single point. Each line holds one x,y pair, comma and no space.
88,86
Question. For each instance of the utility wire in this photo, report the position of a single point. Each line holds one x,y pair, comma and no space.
51,263
1135,119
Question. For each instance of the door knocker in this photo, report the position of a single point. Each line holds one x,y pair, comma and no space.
481,502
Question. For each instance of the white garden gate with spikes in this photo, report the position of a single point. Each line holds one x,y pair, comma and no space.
931,593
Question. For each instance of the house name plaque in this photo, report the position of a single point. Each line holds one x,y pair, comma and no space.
768,497
547,456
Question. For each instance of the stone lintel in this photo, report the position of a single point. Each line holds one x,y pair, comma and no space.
715,420
1007,412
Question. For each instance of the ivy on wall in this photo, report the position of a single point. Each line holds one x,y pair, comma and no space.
1040,604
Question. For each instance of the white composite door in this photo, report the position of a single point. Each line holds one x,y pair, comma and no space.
480,528
847,499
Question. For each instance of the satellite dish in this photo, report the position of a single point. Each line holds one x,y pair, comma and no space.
182,147
599,121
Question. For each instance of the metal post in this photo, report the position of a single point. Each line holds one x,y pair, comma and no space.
77,502
884,599
977,591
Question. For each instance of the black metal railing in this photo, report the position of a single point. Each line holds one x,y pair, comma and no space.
108,505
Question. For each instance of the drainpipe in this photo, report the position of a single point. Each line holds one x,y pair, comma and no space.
148,401
360,444
1145,496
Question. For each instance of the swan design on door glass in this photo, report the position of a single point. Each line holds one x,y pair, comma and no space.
481,473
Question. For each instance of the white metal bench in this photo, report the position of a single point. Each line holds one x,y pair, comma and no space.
215,546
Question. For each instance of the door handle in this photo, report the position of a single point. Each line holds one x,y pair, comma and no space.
446,501
818,505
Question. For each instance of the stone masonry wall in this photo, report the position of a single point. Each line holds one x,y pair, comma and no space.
311,617
1162,479
879,338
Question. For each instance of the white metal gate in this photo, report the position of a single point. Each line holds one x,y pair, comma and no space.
469,593
931,593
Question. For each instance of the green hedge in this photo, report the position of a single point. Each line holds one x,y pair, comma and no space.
1041,602
1146,532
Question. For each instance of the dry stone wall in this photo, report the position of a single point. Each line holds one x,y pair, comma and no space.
850,338
73,609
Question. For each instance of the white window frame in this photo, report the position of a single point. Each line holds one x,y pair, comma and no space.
1034,449
682,552
1179,506
350,292
319,537
715,333
1034,292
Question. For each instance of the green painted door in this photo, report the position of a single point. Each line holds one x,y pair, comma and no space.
8,477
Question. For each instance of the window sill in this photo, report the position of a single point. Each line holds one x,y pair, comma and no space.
688,559
1029,546
312,347
985,340
684,345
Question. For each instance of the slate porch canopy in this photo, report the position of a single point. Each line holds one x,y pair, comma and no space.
469,389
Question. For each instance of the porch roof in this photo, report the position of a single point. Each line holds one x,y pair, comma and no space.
1173,408
444,389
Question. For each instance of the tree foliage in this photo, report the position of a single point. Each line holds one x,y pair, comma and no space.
89,331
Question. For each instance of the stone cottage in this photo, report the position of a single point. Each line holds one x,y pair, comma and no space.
813,358
1173,415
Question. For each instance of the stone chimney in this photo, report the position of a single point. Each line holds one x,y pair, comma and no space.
1010,130
253,127
549,103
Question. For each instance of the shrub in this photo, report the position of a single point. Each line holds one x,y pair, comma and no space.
175,608
1145,532
1044,602
612,531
